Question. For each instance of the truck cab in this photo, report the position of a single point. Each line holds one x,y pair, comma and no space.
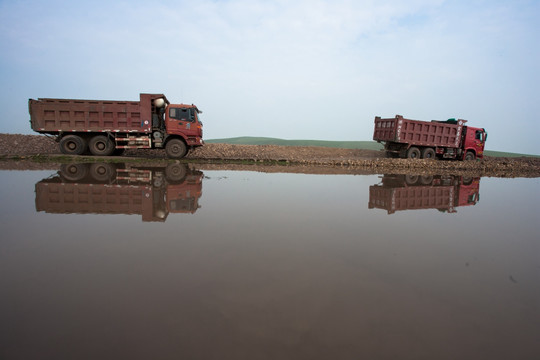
184,120
473,143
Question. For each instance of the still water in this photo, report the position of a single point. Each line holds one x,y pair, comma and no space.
167,263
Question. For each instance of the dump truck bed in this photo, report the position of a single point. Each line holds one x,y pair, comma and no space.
68,198
419,133
412,198
73,115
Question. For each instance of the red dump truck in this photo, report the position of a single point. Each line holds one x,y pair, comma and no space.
414,192
152,192
105,127
450,139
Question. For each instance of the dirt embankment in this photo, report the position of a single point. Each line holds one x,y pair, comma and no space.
297,158
26,145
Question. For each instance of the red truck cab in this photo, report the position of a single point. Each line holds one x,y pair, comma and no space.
184,120
473,143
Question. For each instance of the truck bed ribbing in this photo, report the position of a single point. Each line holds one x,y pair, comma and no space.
434,133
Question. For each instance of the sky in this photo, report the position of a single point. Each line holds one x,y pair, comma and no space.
306,69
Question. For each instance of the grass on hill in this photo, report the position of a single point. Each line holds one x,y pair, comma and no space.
248,140
367,145
506,154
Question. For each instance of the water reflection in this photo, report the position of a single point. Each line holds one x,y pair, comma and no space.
106,188
273,266
413,192
155,191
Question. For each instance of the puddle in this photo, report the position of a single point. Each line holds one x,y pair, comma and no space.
128,261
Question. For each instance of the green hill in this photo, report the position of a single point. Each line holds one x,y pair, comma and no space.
506,154
368,145
248,140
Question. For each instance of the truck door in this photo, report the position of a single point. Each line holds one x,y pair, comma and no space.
474,141
181,120
479,140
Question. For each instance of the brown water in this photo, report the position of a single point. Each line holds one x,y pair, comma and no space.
169,264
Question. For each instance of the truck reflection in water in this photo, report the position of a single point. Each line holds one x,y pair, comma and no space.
413,192
106,188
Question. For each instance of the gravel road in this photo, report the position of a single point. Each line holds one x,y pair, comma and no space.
16,145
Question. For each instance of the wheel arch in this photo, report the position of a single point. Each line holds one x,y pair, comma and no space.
83,135
175,136
469,150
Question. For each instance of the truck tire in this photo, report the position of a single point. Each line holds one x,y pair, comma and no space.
101,145
175,173
73,172
426,179
411,179
413,153
102,172
72,145
428,153
469,156
175,149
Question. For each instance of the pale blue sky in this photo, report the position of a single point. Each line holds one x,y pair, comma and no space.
307,69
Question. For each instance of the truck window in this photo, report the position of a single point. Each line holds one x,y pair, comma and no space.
479,135
182,114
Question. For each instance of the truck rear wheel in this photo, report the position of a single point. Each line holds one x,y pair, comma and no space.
426,179
73,172
411,179
102,172
101,145
428,153
175,149
413,153
72,145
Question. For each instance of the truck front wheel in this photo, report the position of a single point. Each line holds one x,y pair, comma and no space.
413,153
469,156
175,173
175,149
101,145
72,145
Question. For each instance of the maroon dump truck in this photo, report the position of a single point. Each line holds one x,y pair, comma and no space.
105,127
450,139
414,192
152,192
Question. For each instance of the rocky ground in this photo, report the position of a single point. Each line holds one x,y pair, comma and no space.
22,148
15,144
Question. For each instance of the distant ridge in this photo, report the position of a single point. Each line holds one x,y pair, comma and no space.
249,140
506,154
367,145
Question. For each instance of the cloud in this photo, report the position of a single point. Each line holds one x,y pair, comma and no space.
291,69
